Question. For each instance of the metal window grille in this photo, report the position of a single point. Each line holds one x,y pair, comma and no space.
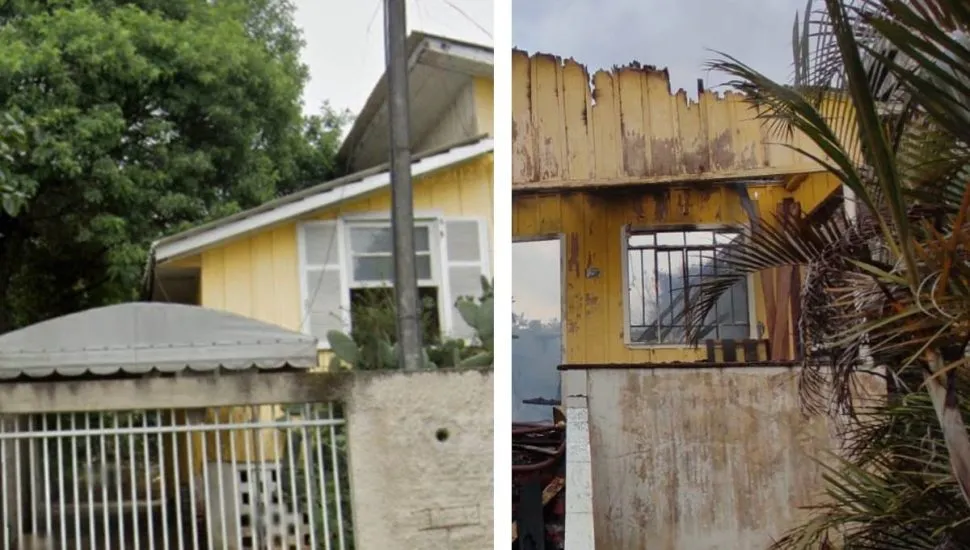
665,268
242,478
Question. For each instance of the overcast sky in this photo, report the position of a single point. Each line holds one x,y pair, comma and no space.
345,41
677,34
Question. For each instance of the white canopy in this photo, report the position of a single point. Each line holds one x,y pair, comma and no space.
141,337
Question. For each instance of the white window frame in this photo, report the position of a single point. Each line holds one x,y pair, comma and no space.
625,232
434,220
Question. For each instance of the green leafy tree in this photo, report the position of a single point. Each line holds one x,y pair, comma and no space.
142,118
883,88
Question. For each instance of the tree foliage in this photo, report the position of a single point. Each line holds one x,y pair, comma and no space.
142,118
882,88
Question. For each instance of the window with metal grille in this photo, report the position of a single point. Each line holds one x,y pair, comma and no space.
664,269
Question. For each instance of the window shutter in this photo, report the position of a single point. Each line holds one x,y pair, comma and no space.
324,296
465,253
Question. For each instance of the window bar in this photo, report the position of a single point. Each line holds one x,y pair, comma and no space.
291,451
221,483
48,504
685,291
102,466
76,485
206,488
321,480
149,498
279,504
89,474
32,473
163,490
5,489
670,292
311,508
191,476
254,494
265,473
118,482
234,476
177,485
133,475
336,479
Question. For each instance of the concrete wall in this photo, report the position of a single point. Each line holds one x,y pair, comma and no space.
420,453
700,458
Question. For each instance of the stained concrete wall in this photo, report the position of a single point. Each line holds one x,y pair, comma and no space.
688,458
420,454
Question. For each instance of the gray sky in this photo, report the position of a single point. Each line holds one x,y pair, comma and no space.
677,34
345,42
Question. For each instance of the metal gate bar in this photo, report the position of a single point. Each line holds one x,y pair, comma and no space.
242,478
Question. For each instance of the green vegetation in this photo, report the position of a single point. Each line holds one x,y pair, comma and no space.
122,121
887,291
373,346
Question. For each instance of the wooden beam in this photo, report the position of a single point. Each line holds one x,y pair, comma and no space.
781,174
793,181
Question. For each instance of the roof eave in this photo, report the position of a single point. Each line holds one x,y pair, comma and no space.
424,49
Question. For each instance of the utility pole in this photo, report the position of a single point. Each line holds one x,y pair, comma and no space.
410,351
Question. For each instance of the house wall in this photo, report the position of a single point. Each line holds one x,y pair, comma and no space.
626,127
258,275
592,223
668,475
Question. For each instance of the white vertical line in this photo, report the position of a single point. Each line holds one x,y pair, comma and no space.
48,505
118,451
5,489
76,485
253,479
221,482
176,458
234,475
162,482
133,475
103,467
321,478
61,493
336,480
262,517
207,489
149,498
311,508
191,477
32,472
294,493
19,532
280,504
89,475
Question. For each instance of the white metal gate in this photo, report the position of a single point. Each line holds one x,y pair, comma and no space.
239,478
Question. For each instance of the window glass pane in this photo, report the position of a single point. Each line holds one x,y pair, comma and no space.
700,238
371,240
675,238
463,240
380,240
373,269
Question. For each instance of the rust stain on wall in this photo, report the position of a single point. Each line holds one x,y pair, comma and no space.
626,126
669,475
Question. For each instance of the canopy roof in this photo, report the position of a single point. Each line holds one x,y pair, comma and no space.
142,337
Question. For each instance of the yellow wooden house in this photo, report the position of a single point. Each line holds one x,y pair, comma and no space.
631,176
682,446
298,261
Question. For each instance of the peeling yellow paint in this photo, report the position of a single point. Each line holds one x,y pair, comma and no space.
628,128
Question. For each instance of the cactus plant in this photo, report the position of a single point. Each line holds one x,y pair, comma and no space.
476,312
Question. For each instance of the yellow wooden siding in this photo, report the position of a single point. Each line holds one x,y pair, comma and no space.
592,224
258,276
629,128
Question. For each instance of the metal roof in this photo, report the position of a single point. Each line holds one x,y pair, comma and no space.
311,199
142,337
